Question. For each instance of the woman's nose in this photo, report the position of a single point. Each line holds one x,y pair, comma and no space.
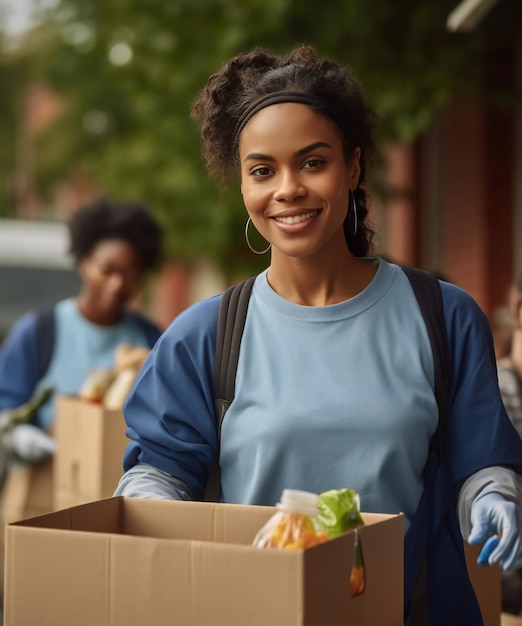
289,186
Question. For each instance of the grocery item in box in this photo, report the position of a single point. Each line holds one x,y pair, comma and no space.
294,525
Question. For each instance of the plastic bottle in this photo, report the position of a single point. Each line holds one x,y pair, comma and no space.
294,525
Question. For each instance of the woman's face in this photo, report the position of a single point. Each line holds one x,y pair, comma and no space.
111,276
295,179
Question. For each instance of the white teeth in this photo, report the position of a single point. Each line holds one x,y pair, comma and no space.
295,219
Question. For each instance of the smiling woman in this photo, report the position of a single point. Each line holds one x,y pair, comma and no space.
335,383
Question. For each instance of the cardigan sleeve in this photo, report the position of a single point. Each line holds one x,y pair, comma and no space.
18,363
479,431
170,409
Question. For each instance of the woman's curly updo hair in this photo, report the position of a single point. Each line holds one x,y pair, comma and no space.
127,221
246,77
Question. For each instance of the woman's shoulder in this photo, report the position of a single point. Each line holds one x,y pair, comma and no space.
463,316
197,320
459,305
24,328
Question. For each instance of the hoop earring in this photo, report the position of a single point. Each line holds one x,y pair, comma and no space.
249,220
354,205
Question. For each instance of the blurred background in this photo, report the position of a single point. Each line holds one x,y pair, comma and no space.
95,99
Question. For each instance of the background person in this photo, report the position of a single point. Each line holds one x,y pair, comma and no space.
334,386
114,244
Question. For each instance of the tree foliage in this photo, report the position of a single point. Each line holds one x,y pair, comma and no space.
130,71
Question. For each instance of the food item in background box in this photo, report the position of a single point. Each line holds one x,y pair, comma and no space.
129,357
338,513
293,526
128,361
119,389
95,385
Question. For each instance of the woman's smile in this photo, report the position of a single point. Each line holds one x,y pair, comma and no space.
298,219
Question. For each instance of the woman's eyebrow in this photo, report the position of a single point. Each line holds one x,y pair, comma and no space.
313,146
258,156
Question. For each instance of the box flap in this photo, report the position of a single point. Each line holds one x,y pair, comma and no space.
203,521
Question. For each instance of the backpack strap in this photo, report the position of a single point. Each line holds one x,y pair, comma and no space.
426,288
231,323
44,340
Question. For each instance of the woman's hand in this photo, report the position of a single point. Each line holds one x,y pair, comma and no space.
497,523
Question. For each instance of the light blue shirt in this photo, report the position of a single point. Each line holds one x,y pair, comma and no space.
308,415
79,347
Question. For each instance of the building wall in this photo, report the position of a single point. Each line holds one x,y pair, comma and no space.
467,179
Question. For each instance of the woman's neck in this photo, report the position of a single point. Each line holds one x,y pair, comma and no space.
91,313
305,282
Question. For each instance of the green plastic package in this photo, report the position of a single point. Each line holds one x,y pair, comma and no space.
339,511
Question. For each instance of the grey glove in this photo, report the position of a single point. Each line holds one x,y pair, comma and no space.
31,444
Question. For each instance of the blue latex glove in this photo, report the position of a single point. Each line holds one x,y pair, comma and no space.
497,523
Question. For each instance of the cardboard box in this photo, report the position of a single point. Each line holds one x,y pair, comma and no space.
507,619
27,492
126,561
90,442
487,585
86,467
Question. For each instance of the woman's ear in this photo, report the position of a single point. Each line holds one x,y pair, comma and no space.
355,168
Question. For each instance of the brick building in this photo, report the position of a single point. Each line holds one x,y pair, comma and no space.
463,213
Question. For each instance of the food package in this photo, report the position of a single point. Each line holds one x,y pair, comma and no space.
293,526
128,361
339,512
304,519
96,384
111,387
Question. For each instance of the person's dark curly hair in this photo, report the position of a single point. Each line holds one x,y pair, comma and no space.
129,221
248,76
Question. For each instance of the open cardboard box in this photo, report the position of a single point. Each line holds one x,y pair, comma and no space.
90,443
126,561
